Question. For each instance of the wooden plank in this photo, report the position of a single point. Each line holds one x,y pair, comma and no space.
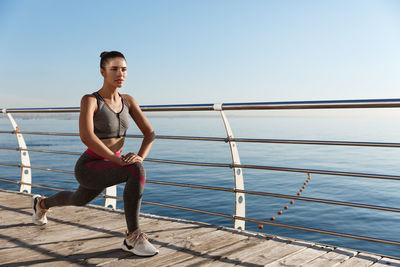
281,248
361,260
11,197
77,236
333,258
240,257
51,231
385,262
64,247
62,251
198,247
50,234
222,255
97,250
58,263
43,234
162,239
182,248
67,246
301,259
14,216
23,213
200,250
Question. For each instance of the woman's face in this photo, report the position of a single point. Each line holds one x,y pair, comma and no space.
114,72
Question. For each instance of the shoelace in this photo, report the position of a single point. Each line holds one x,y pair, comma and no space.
139,235
42,212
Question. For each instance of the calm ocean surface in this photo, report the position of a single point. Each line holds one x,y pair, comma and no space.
355,125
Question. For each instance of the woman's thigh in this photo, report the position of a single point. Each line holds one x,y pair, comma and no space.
95,173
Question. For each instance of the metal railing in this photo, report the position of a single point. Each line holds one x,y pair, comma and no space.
239,217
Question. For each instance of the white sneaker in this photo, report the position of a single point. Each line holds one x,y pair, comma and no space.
39,214
138,244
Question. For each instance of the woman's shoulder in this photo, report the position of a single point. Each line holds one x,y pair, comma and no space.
129,99
88,100
127,96
88,97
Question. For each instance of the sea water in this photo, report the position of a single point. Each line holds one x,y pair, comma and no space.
334,125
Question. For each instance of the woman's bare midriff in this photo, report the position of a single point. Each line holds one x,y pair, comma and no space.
114,144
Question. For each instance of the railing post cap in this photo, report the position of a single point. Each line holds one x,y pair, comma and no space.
218,106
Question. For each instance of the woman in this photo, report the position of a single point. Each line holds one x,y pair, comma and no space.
103,121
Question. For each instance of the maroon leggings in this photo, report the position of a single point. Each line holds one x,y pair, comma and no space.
94,175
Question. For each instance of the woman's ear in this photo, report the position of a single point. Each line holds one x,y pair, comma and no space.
102,72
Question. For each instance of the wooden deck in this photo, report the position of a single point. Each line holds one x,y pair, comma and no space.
92,236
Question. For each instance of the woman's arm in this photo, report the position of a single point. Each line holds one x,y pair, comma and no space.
86,130
144,125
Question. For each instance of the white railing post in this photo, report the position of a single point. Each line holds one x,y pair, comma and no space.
26,175
240,205
111,191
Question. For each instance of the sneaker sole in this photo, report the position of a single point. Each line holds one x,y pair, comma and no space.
125,248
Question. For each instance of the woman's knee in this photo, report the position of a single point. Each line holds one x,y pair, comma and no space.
137,172
137,169
140,168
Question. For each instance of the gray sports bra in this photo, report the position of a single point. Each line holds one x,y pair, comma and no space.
107,123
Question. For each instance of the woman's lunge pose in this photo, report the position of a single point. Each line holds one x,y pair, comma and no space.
103,121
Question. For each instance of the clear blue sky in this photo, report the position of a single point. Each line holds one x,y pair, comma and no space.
200,51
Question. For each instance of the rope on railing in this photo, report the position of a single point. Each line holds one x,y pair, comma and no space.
280,212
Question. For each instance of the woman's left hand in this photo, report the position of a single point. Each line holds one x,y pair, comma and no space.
131,158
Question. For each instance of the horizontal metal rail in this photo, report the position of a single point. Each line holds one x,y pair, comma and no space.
250,192
51,188
338,173
232,190
323,104
225,165
316,142
40,133
35,168
328,104
244,140
275,141
42,110
41,151
286,169
32,185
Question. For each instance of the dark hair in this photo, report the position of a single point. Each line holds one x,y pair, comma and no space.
105,56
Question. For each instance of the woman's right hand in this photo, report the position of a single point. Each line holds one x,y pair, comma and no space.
127,159
119,161
131,158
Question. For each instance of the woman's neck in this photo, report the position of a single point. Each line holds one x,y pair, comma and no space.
109,92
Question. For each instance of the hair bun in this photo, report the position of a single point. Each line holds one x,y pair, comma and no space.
103,53
107,55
